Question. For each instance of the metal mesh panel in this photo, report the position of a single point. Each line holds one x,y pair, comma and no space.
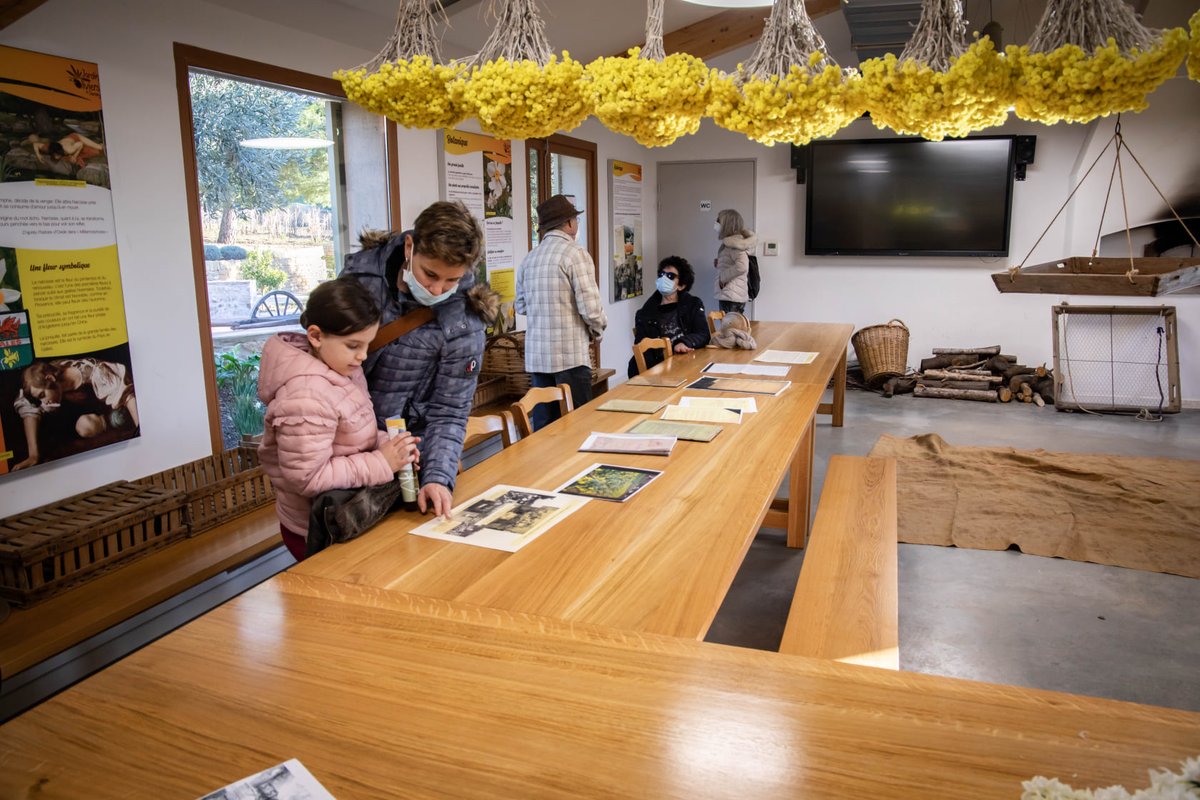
1116,359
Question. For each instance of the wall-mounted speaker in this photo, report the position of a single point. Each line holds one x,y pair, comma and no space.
799,161
1024,149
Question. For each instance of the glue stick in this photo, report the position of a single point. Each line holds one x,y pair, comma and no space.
408,478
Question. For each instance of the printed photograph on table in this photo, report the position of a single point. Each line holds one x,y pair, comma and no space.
66,376
502,518
290,780
746,385
608,482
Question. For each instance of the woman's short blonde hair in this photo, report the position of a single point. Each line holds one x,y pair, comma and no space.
731,223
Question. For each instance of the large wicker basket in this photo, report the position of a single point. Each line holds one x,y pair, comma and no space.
882,350
505,355
49,549
218,487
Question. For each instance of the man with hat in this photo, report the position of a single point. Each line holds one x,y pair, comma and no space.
557,292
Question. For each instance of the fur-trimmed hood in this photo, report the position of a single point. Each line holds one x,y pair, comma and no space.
738,242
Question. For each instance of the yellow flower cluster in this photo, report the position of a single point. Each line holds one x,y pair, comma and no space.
912,98
1067,84
1194,50
413,93
798,107
653,101
522,100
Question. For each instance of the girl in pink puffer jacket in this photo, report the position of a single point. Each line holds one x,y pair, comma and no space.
320,429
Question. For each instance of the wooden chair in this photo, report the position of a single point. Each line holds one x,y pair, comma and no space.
485,426
639,351
546,394
713,317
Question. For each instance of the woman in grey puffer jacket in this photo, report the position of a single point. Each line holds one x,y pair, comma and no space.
428,375
733,261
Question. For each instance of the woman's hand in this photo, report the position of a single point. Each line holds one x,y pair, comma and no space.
437,498
401,451
680,347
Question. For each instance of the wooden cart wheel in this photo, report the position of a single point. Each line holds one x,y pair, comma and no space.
279,303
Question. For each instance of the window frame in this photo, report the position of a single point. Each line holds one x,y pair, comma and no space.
188,58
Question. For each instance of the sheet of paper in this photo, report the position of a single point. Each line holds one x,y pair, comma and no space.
747,404
287,781
633,406
656,380
773,371
502,518
609,482
787,356
688,431
634,443
703,414
713,383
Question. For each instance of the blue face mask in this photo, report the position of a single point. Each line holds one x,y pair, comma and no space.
423,295
664,285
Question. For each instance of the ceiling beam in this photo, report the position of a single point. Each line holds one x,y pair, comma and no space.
13,10
729,30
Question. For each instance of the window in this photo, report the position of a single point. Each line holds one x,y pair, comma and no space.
282,173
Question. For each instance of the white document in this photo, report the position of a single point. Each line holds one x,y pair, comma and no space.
635,443
787,357
502,518
286,781
746,404
703,414
748,369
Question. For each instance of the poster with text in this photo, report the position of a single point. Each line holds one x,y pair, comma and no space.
66,381
625,200
477,170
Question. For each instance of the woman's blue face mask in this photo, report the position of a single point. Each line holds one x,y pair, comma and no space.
665,285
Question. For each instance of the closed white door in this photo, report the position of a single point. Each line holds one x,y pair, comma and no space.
690,193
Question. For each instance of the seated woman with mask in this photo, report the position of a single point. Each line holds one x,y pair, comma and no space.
672,313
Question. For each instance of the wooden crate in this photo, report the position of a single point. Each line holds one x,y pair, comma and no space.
47,550
218,488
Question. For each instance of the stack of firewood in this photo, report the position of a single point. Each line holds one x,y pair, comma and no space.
976,373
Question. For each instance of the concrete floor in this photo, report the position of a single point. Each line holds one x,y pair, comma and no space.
1006,617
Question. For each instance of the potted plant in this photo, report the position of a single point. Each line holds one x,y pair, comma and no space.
238,374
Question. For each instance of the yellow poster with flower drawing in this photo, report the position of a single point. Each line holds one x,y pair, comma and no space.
625,206
66,379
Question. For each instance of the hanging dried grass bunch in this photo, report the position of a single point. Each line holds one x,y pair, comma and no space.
790,90
1194,48
650,96
939,86
517,87
1091,58
405,81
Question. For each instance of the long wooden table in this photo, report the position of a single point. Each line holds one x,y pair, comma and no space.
660,562
385,695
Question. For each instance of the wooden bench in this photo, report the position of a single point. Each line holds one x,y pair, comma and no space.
845,606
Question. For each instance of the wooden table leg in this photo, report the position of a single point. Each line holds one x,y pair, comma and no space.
800,489
839,391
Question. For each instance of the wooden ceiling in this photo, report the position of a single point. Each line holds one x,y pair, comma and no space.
13,10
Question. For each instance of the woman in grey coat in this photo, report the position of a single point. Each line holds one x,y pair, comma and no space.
733,261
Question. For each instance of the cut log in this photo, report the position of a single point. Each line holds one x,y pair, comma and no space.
1017,369
986,396
1042,371
1017,381
1038,401
941,362
998,364
1004,394
978,351
940,384
1045,388
978,376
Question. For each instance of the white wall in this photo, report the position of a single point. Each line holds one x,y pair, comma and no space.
944,301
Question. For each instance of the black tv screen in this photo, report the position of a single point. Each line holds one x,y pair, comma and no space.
909,197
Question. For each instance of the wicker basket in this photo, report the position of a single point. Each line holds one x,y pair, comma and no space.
47,550
490,389
218,488
505,355
882,350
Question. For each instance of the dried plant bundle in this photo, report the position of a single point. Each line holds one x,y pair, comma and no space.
1088,24
788,39
940,35
413,35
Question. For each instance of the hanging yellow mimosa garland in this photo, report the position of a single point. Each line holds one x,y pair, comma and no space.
790,90
939,86
406,82
516,88
1194,48
650,96
1091,58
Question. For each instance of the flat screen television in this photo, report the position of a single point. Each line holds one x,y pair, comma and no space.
909,197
